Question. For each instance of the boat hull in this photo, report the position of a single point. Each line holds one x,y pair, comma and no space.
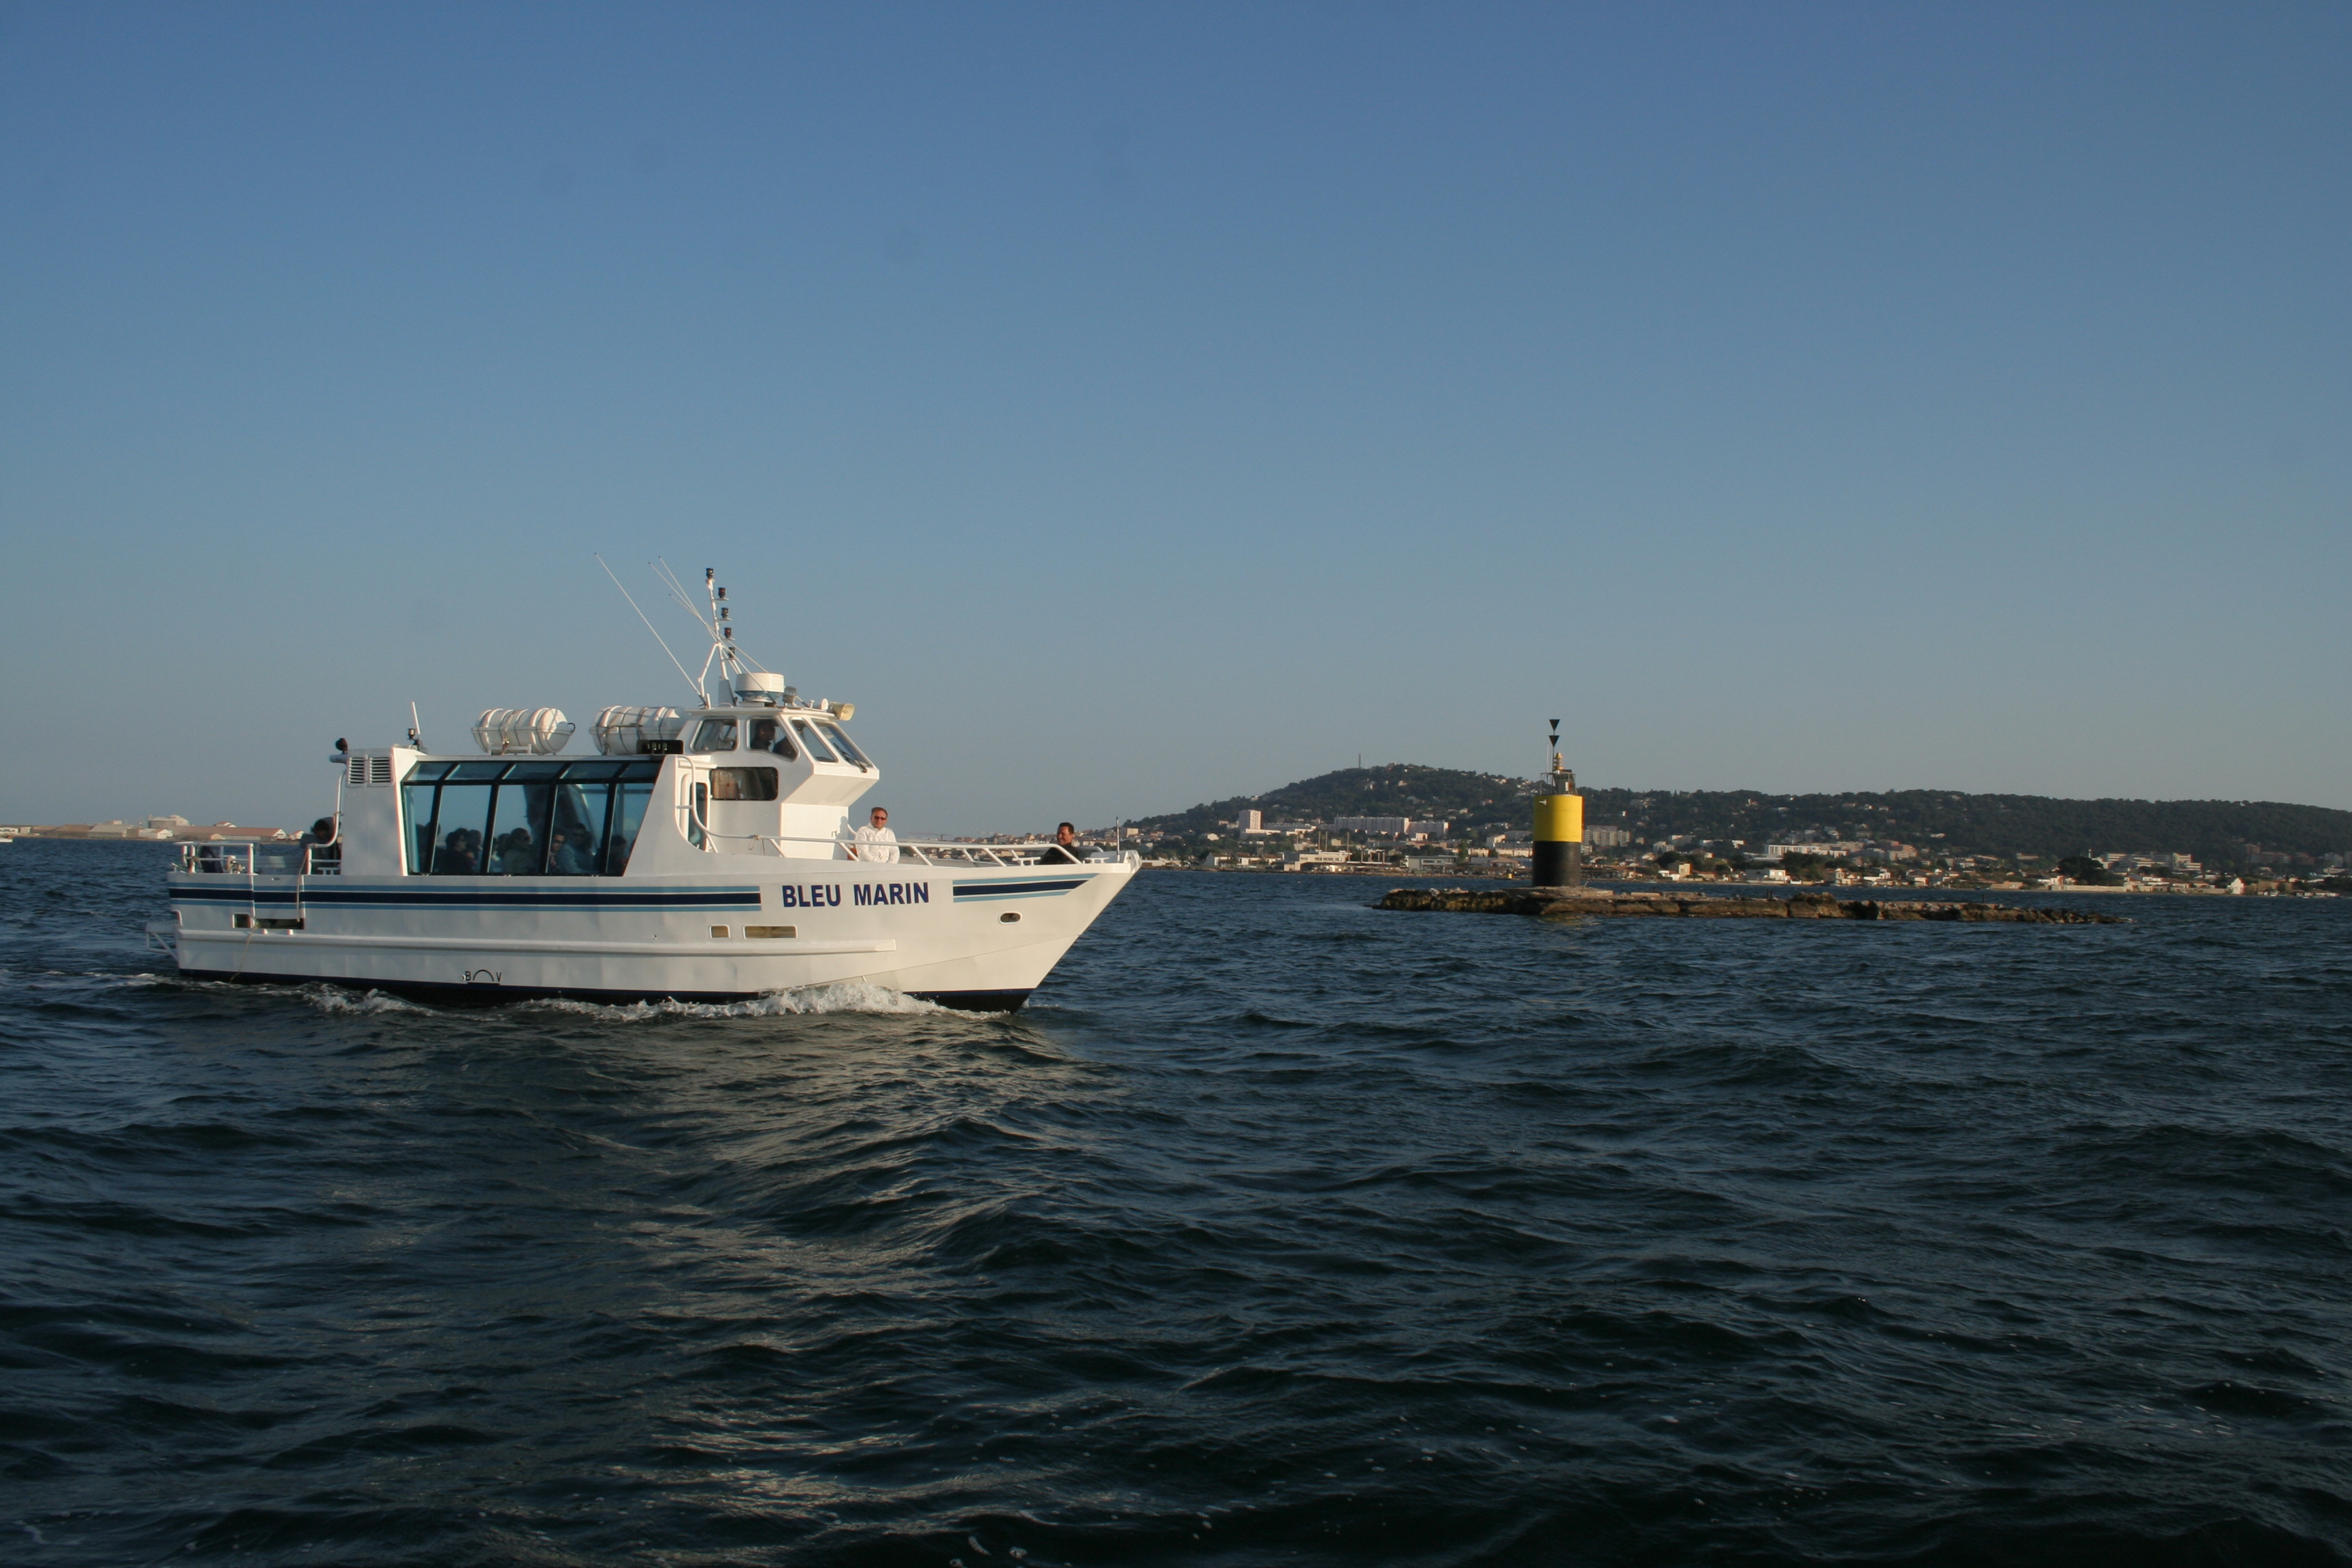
979,939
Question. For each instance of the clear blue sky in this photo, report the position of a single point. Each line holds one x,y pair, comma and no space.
1128,406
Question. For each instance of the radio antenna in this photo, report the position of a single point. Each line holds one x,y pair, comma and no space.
701,698
718,625
661,571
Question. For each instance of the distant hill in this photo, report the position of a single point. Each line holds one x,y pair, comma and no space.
2215,831
1397,789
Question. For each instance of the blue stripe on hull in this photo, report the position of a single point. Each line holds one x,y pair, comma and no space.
481,899
478,898
967,892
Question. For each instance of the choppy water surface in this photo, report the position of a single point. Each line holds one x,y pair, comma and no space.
1278,1230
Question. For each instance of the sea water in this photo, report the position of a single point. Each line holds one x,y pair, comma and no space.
1277,1230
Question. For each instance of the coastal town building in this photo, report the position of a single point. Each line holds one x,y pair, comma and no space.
1390,827
1830,850
158,829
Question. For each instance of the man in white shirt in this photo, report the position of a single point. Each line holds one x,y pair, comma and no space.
876,843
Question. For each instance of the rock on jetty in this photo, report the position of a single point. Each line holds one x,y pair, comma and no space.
1566,903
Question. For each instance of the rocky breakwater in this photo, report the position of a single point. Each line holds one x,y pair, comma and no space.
1567,903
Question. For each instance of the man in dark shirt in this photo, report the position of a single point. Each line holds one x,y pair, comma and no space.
326,844
1062,851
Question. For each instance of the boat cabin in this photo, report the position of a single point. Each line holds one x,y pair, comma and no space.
754,777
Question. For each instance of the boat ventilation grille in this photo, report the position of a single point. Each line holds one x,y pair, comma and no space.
379,771
356,776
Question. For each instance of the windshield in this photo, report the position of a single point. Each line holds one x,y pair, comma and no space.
814,743
841,744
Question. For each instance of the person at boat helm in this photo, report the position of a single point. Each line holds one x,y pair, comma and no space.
1064,850
324,846
876,843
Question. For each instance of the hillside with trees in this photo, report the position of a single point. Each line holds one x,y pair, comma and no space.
1396,789
2217,832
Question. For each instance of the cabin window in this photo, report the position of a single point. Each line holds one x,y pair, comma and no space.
698,813
841,744
742,784
517,831
576,827
814,743
772,735
535,818
628,815
417,794
460,820
714,735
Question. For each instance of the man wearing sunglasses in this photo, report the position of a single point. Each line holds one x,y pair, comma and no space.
876,844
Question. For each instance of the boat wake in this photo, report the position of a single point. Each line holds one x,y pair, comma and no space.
847,996
323,996
341,1001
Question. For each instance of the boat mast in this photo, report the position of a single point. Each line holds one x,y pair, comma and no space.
718,623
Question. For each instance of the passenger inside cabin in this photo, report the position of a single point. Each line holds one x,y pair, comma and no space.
326,848
572,846
568,856
1062,851
517,854
460,854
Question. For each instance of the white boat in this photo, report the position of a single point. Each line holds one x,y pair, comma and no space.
699,855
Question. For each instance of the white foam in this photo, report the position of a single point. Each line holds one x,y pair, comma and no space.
845,996
335,999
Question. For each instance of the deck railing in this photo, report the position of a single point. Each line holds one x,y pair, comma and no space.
929,852
250,859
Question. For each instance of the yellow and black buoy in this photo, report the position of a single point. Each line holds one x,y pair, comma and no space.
1560,827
